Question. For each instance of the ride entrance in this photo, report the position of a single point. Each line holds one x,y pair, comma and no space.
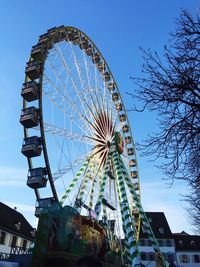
81,156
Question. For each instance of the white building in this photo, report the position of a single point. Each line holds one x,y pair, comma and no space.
187,249
16,234
164,237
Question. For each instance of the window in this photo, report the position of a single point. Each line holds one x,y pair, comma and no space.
151,257
184,258
150,219
196,258
142,242
18,225
24,244
14,241
143,256
192,243
147,242
165,255
180,242
161,242
168,243
161,230
170,257
2,237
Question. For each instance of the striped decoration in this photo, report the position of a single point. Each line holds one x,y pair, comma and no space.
92,195
105,220
124,229
86,178
102,187
146,224
126,215
82,169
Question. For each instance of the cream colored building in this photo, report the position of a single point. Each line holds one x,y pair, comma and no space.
16,234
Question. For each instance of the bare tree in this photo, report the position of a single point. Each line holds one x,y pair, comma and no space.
193,199
171,87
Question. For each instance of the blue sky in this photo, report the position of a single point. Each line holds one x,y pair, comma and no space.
118,28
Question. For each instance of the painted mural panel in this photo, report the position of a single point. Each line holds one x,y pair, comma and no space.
63,233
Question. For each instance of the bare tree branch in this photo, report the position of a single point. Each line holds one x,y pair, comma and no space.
171,87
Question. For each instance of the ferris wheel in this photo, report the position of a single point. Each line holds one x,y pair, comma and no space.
77,136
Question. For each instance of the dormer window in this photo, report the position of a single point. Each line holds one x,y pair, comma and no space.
18,225
192,243
150,219
180,242
33,232
161,230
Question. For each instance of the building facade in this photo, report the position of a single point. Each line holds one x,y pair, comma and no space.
16,234
187,249
164,237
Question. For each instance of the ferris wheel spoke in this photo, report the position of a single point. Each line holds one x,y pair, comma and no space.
53,101
104,156
95,78
104,117
48,128
111,126
104,120
61,172
84,88
67,97
62,151
90,91
88,78
86,179
67,157
77,68
61,109
77,176
97,101
92,195
86,69
97,93
78,92
94,181
102,188
98,125
74,107
99,117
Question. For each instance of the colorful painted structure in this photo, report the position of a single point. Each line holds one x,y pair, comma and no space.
64,235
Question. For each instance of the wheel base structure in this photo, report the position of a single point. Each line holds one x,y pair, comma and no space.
63,236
